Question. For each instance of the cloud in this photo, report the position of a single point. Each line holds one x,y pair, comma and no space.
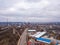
31,10
27,6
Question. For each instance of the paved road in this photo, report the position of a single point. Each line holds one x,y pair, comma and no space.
23,38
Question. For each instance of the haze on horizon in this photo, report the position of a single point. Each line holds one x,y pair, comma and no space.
30,10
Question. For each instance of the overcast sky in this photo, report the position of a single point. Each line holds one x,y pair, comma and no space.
30,10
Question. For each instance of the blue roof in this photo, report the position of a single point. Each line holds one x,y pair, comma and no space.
44,40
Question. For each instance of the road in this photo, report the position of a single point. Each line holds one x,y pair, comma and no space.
23,38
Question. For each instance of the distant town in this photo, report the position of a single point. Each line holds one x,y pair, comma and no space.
23,33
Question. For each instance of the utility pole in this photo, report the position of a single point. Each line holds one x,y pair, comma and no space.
7,21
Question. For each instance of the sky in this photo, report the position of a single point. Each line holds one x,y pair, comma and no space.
30,10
